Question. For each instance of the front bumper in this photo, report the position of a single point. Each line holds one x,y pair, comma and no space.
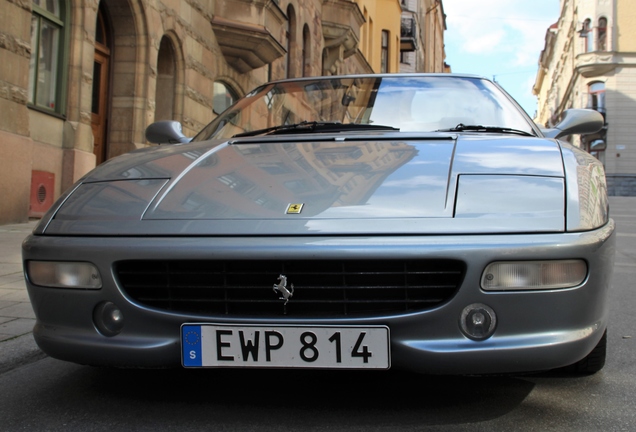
536,330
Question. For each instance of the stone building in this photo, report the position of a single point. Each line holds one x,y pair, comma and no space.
589,61
422,36
80,80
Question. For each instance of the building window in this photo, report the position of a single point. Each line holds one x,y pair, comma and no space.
597,149
166,80
371,47
602,34
384,55
588,34
365,38
223,98
596,98
45,68
291,42
306,52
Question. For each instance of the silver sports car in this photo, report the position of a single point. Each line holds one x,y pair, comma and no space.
421,222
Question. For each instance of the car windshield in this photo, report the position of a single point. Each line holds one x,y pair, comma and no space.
408,103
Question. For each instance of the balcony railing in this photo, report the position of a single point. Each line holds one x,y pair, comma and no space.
408,34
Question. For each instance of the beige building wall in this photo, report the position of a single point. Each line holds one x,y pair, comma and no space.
428,53
620,157
625,23
163,50
579,58
381,15
435,25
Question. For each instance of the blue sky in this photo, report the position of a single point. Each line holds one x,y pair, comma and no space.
501,39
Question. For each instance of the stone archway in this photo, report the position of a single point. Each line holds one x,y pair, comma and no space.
127,98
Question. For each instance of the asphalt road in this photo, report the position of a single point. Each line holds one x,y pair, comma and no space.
45,394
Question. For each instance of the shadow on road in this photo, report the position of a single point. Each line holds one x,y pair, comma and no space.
299,400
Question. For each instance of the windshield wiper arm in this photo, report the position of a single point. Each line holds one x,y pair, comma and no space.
479,128
307,126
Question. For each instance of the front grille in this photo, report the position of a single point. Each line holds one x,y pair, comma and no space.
321,288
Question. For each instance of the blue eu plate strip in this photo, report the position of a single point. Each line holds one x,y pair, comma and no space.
191,345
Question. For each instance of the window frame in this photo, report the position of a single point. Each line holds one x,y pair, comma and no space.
385,41
306,53
587,32
596,96
40,15
601,35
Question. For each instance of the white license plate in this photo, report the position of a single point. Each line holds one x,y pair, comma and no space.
321,347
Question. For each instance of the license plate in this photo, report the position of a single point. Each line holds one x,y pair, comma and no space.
319,347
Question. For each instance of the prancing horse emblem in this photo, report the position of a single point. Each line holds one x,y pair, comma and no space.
281,287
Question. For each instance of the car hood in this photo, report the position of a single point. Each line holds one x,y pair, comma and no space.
332,184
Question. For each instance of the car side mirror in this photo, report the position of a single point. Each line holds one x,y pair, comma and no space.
166,132
576,121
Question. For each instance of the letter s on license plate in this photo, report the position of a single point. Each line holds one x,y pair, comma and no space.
320,347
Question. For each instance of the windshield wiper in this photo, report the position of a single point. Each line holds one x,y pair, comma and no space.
479,128
314,126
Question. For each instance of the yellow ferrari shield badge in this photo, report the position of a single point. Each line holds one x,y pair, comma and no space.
294,208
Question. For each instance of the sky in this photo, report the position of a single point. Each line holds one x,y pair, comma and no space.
500,39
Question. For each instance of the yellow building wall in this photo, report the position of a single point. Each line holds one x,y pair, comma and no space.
626,28
380,15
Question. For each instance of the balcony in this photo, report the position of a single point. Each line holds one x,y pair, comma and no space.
408,35
341,22
248,40
596,63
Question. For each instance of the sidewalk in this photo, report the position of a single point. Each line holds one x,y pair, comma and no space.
16,314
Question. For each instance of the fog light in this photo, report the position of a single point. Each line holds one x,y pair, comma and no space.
108,319
478,321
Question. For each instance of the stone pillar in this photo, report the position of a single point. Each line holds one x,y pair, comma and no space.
16,147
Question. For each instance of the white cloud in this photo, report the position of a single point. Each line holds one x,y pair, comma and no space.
499,38
515,27
482,42
531,37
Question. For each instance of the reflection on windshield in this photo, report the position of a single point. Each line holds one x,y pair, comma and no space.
410,103
252,181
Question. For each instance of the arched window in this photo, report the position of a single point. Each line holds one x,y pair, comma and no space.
166,80
596,98
602,34
101,82
223,97
47,51
588,34
291,41
306,52
324,62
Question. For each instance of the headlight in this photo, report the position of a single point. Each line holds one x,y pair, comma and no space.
533,275
59,274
